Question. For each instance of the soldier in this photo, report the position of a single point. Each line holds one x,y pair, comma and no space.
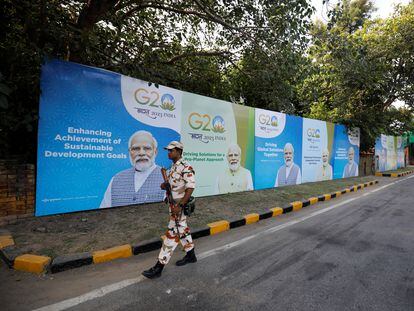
182,180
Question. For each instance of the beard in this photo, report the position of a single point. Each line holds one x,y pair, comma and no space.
288,162
142,163
234,167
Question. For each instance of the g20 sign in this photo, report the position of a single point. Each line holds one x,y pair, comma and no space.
266,119
205,122
152,99
314,133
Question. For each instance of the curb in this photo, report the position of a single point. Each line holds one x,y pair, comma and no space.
40,264
31,263
394,174
6,242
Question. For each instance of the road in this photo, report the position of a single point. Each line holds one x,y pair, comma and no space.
352,253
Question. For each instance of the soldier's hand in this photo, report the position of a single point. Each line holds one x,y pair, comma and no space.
175,210
163,186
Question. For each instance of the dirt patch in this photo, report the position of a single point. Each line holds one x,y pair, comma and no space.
100,229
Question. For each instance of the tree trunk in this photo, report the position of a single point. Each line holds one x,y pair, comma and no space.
92,12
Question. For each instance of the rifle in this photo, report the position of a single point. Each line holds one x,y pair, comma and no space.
170,199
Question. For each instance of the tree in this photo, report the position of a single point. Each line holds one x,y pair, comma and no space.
360,67
170,42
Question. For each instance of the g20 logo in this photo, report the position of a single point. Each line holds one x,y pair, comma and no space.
204,122
315,133
150,98
265,119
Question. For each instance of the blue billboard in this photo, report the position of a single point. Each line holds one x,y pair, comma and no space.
346,152
100,138
278,149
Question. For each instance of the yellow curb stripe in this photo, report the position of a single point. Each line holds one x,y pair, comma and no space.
327,197
6,240
277,211
297,205
362,186
394,175
348,190
338,193
122,251
219,226
31,263
355,188
378,174
313,200
251,218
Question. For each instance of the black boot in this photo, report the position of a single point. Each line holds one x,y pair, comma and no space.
188,258
154,272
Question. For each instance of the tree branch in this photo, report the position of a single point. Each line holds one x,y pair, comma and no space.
214,17
196,53
164,8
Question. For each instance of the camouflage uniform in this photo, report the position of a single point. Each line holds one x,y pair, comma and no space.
181,177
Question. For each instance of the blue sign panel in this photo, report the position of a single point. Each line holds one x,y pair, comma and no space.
100,138
346,152
278,149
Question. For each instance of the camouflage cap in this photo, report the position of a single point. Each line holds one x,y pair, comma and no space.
174,144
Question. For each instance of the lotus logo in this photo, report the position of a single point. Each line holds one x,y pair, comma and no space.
167,102
218,124
273,121
151,98
204,122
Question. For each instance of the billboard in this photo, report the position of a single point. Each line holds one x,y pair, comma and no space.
218,141
100,138
278,149
389,153
317,142
400,152
346,152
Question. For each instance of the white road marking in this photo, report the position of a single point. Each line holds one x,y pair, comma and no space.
100,292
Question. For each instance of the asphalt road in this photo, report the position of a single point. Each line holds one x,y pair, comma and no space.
352,253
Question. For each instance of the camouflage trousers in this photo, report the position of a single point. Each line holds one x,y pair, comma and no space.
172,238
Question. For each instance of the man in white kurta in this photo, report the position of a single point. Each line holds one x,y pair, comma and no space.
235,178
324,172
